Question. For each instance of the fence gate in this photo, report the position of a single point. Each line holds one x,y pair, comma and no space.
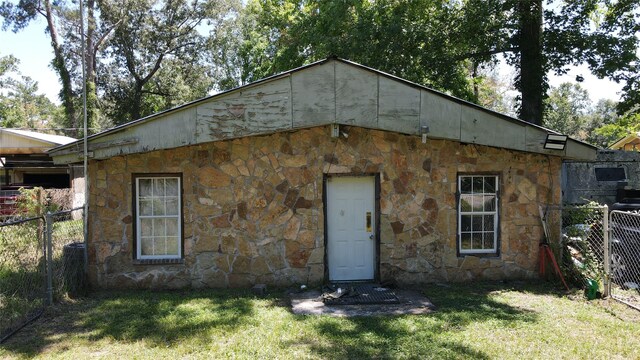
624,254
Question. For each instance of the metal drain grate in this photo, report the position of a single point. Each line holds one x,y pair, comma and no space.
363,295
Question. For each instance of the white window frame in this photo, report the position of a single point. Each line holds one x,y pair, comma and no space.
495,213
139,254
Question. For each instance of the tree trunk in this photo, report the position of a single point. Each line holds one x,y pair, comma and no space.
60,66
532,78
136,102
474,77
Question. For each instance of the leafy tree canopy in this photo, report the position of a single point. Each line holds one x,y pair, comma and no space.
141,56
21,106
570,111
146,56
624,125
441,44
567,107
410,39
8,64
603,114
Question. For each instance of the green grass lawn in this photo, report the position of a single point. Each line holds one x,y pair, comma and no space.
473,321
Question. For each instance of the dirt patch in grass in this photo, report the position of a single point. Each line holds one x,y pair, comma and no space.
410,303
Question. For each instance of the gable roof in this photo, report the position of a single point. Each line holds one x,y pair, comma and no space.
632,139
329,91
15,141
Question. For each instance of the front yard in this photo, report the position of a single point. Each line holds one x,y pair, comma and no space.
474,321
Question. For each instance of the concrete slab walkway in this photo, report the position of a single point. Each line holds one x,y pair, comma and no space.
411,302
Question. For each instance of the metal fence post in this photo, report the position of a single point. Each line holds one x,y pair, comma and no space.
48,238
607,261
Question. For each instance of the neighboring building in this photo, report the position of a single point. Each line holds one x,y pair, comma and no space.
630,142
601,180
24,159
604,180
329,172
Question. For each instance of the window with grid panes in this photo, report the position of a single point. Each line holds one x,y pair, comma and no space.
478,214
158,217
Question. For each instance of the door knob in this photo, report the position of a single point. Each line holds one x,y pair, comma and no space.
371,237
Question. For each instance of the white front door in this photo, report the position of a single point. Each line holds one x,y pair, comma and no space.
350,228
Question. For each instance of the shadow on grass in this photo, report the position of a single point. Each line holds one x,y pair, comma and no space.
159,318
423,336
168,318
386,338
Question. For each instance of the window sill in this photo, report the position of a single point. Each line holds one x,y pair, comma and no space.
481,255
158,261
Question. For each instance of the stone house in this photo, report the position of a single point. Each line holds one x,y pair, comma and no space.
329,172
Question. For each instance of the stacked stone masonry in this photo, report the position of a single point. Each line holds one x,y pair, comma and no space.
253,209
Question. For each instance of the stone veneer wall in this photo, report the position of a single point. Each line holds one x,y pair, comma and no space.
253,209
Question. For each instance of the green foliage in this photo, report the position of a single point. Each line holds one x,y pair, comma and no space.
406,39
33,202
157,57
21,272
494,92
582,214
18,16
625,125
21,294
21,106
570,111
8,64
141,56
630,95
600,33
22,262
582,243
566,109
602,115
147,56
440,44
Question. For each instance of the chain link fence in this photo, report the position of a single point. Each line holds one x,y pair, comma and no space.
41,261
576,234
597,248
625,257
67,254
22,273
